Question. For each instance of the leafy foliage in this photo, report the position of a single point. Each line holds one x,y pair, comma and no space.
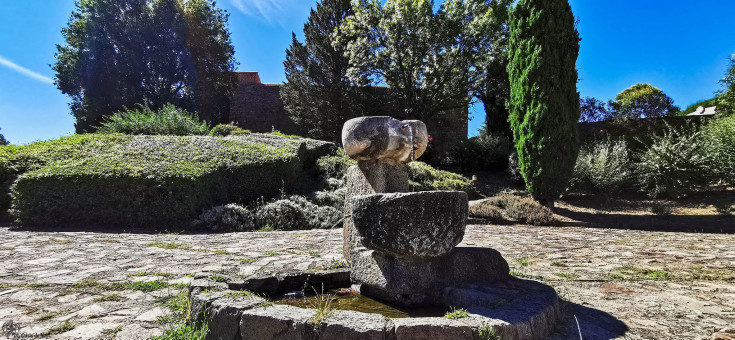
185,332
317,94
423,177
230,217
119,53
507,208
335,166
457,314
228,129
158,181
483,152
3,141
544,45
674,165
295,213
719,136
602,168
208,41
594,110
426,59
169,120
641,101
492,86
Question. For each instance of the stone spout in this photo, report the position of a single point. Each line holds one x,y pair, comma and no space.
384,139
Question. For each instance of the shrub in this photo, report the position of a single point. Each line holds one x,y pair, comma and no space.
513,168
506,208
484,152
661,209
488,212
422,177
335,166
602,168
161,181
228,129
169,120
674,165
719,136
230,217
295,213
334,198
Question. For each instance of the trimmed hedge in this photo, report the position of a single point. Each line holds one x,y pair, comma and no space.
423,177
156,181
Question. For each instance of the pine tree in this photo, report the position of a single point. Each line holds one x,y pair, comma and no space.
544,105
318,95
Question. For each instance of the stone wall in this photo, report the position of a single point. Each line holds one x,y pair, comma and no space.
258,107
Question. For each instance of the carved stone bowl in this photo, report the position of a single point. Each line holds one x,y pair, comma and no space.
415,224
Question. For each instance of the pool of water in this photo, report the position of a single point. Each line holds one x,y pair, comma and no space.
364,304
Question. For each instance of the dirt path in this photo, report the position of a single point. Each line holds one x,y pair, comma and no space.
618,283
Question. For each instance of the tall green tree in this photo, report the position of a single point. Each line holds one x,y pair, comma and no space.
642,101
317,94
3,141
420,56
208,40
121,53
492,87
544,105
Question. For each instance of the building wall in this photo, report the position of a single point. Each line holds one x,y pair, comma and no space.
258,107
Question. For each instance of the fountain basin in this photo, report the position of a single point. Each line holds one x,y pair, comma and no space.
415,224
514,309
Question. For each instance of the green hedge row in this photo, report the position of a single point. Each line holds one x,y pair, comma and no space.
156,181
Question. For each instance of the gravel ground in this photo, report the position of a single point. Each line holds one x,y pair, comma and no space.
616,283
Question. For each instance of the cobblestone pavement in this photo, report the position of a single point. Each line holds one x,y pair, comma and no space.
72,285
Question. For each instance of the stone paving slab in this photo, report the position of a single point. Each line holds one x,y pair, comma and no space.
618,283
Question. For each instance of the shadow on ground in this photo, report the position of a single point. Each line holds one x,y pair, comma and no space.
592,323
671,223
6,222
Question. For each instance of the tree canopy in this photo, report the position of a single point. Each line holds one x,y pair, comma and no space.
318,94
122,53
643,101
544,105
430,61
594,110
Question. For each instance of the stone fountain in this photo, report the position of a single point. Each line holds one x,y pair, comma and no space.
402,245
403,249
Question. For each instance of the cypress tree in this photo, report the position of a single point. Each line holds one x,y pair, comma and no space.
544,105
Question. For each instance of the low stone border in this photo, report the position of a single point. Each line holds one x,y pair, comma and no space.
514,309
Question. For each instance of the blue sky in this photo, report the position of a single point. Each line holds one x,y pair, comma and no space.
679,46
